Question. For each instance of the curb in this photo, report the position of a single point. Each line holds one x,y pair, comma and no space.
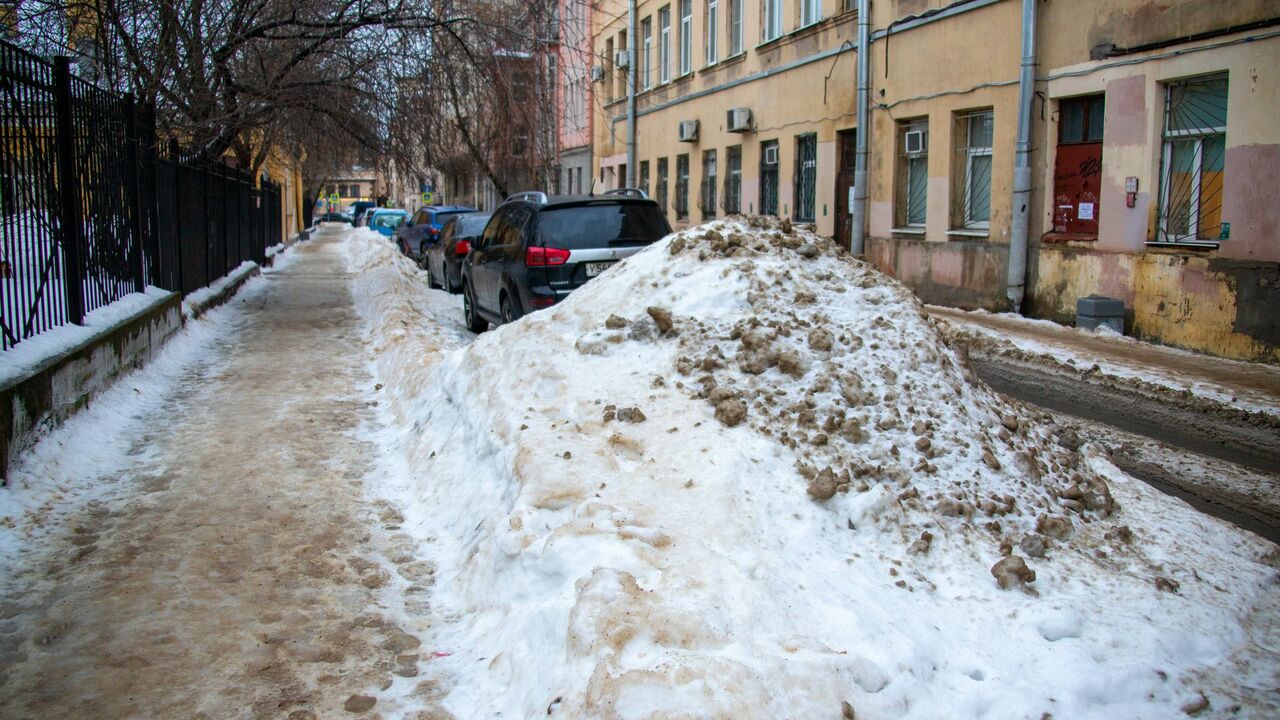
67,382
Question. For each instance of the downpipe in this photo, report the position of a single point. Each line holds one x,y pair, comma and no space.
630,179
858,218
1017,277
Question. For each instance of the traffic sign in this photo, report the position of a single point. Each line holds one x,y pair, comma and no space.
428,198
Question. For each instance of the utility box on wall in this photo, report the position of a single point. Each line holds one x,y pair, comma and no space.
1097,311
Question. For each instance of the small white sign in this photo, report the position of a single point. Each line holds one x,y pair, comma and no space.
1086,211
852,192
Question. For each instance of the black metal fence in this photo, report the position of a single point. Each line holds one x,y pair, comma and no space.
91,211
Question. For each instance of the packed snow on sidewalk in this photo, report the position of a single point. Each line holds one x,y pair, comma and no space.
741,475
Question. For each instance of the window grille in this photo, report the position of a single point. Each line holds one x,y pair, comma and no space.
913,167
806,177
972,191
733,180
682,186
1193,160
769,178
707,192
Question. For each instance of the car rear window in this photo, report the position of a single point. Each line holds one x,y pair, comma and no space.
604,225
388,220
470,225
440,217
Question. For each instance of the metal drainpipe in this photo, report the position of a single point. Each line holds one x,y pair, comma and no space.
858,218
630,180
1022,165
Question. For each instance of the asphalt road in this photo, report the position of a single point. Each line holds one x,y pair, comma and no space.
1224,463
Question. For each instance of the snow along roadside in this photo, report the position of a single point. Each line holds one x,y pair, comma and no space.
591,567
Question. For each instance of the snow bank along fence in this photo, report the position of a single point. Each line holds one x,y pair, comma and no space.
92,210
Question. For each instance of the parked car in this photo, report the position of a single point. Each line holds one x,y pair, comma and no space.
386,220
444,259
423,229
359,208
334,217
534,251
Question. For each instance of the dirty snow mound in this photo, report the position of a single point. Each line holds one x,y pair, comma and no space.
741,475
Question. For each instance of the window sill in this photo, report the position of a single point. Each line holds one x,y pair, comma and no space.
1184,245
970,233
912,231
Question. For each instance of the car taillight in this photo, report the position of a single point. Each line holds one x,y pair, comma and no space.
463,247
543,257
542,301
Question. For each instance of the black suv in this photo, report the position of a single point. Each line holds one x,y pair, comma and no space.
536,250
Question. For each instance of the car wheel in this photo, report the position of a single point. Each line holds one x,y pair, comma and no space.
474,322
510,310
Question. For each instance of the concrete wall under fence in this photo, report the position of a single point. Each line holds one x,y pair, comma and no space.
66,383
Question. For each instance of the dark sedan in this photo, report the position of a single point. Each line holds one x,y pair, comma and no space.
444,259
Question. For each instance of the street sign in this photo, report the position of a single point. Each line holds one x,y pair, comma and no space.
428,198
333,197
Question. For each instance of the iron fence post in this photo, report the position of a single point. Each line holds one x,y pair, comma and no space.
68,190
133,156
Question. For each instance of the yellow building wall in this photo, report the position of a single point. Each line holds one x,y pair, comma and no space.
817,96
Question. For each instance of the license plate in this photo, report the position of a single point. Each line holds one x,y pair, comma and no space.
594,269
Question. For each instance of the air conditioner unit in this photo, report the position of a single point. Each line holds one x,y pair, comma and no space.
916,142
688,131
739,120
597,73
622,59
771,155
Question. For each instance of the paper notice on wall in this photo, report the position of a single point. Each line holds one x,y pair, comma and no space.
1086,211
852,192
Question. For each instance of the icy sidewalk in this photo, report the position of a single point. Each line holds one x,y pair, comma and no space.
198,542
1251,387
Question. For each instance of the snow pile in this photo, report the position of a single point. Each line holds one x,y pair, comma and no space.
740,475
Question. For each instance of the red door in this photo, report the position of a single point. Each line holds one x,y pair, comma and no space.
1078,167
1077,173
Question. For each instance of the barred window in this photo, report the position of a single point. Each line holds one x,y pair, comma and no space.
806,177
644,176
707,193
769,177
682,186
913,173
971,195
733,180
1193,161
660,194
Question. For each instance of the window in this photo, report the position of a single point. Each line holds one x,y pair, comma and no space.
772,21
810,12
644,176
608,70
733,180
806,177
735,27
682,186
1195,145
664,45
769,177
913,172
1080,119
972,203
660,195
1077,172
646,57
707,192
686,36
713,27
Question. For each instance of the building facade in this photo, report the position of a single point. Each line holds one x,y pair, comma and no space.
570,67
1154,145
